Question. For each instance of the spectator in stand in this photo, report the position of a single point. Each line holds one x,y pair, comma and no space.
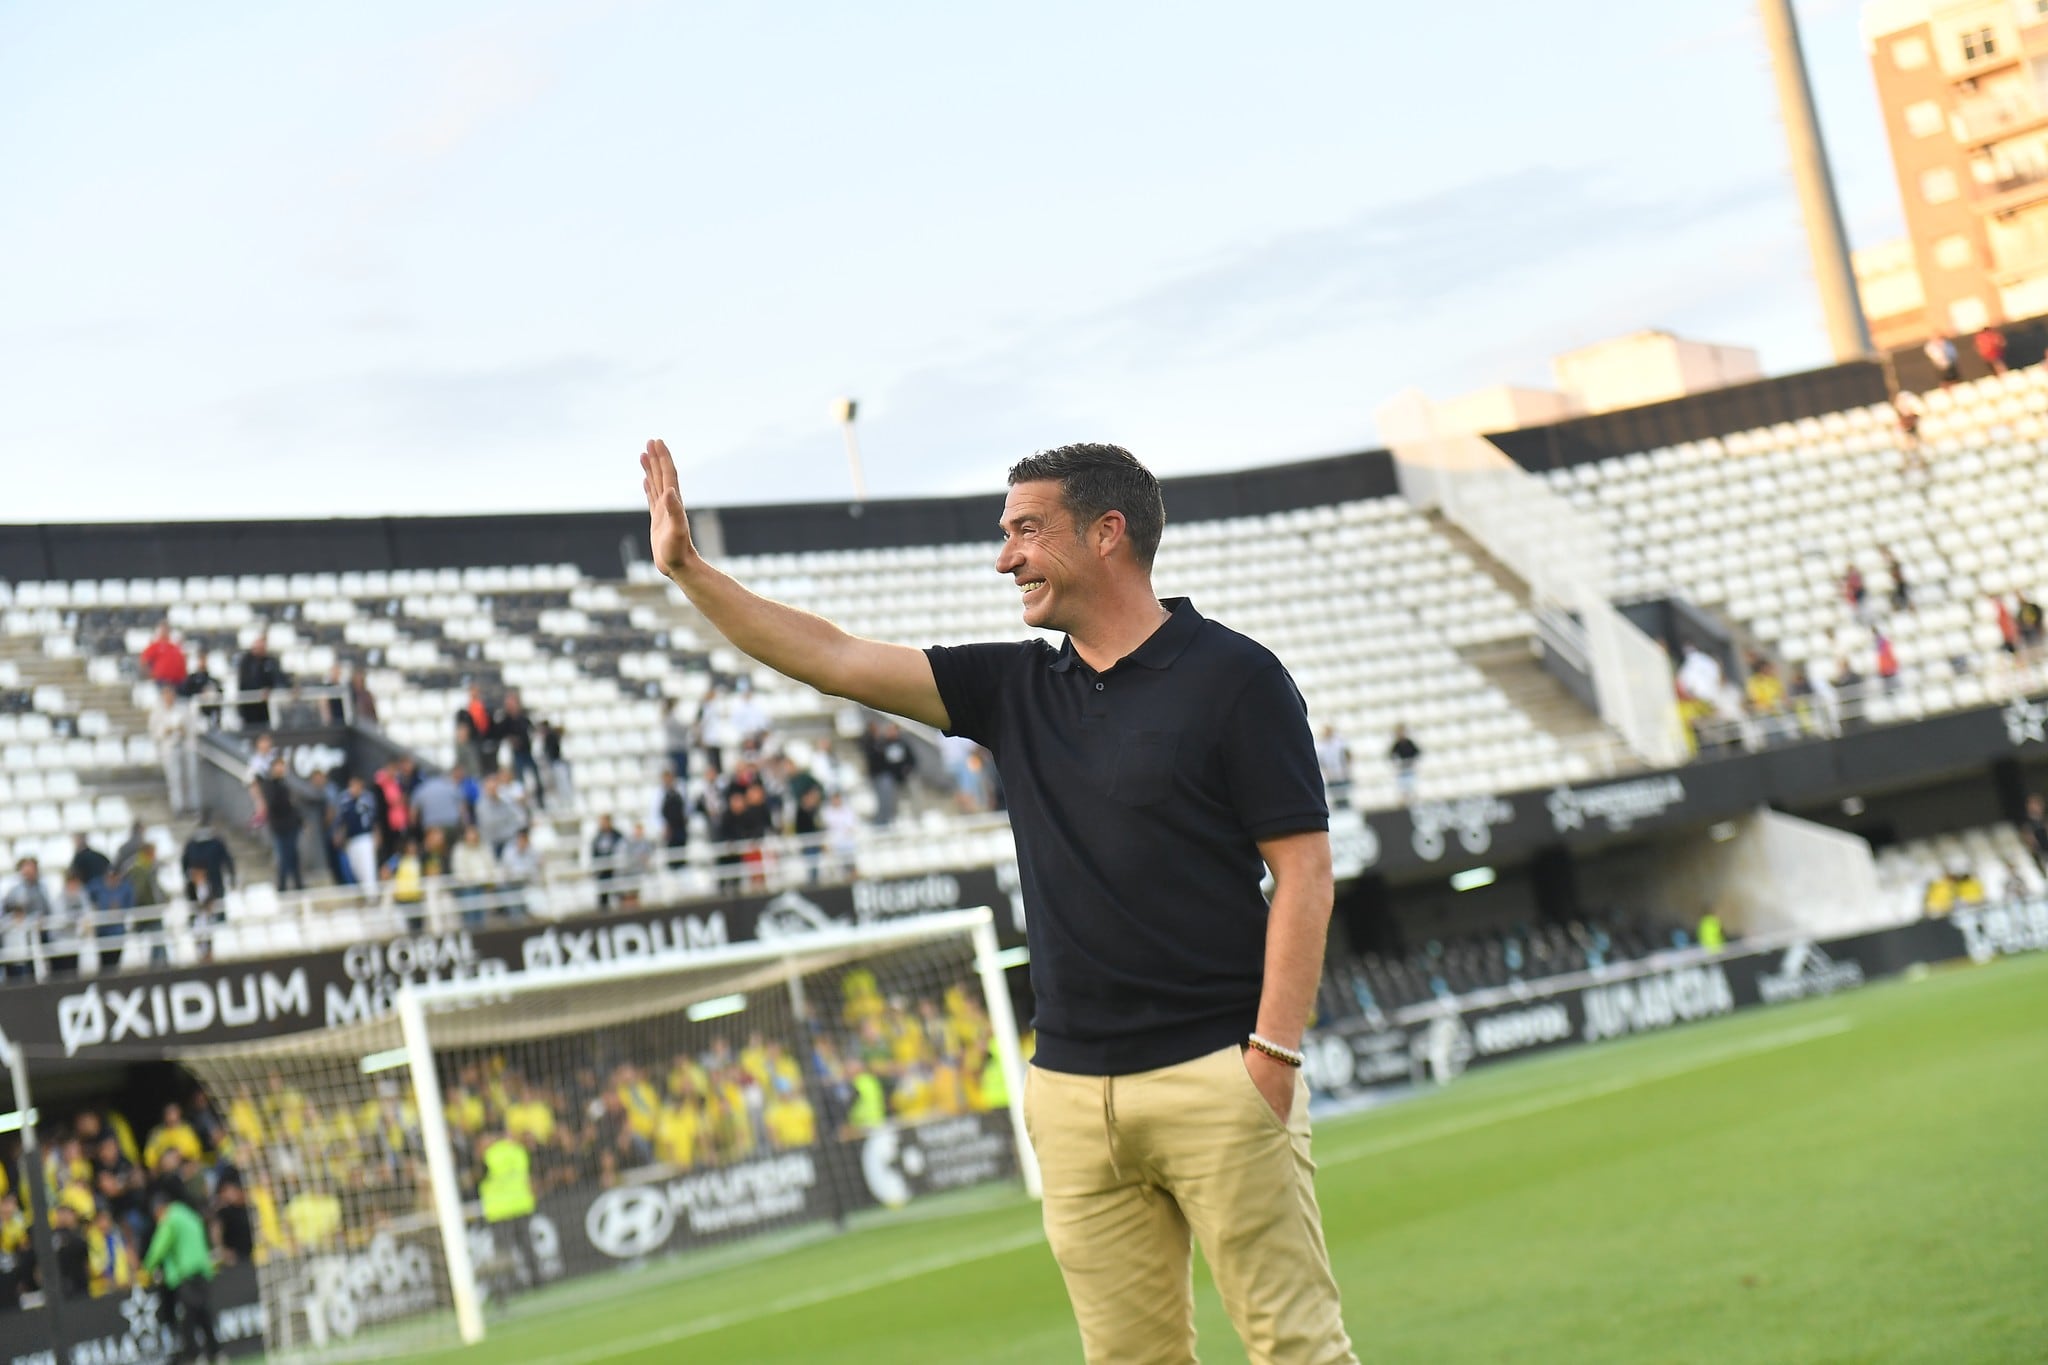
890,763
808,825
70,923
326,812
130,846
1405,754
1855,592
1766,697
749,720
513,728
88,864
469,746
205,851
261,755
1846,676
673,810
555,769
1887,663
728,832
1699,675
2008,628
207,899
233,1233
170,727
638,862
2027,615
257,674
842,834
1333,756
473,870
678,736
1941,353
499,817
2034,830
362,701
521,865
113,899
1821,712
406,871
1902,592
437,805
959,753
358,828
17,936
163,659
281,816
394,811
1990,344
604,858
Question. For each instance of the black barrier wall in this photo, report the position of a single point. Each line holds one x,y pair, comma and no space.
1441,1040
123,1327
151,1013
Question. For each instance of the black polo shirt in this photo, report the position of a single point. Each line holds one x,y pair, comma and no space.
1138,796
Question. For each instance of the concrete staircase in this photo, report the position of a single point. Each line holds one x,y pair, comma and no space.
1513,667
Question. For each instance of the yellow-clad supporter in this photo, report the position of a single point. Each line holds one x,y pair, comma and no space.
13,1226
677,1131
789,1118
640,1101
173,1134
110,1262
861,997
531,1117
77,1196
464,1109
914,1098
245,1119
314,1219
687,1076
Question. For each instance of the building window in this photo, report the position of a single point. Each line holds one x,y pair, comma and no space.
1924,119
1968,315
1978,43
1938,186
1909,54
1953,253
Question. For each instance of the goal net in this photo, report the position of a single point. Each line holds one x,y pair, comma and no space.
661,1105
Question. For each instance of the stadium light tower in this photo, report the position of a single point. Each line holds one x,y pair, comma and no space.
1847,331
843,411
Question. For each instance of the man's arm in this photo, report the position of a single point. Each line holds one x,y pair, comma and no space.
796,644
159,1246
1297,929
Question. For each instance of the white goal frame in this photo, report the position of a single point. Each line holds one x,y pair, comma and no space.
417,1003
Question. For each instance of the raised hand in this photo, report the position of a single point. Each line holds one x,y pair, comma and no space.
668,527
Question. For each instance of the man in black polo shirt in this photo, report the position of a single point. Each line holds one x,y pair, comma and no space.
1155,765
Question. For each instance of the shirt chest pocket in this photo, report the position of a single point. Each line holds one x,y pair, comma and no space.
1142,771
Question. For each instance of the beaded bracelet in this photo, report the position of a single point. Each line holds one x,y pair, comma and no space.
1275,1051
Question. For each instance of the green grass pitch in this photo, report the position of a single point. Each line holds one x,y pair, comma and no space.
1863,1178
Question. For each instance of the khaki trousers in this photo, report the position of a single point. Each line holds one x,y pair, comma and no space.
1133,1164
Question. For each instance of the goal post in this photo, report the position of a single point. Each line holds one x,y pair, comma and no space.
664,1103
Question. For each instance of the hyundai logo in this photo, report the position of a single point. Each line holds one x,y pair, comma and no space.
628,1224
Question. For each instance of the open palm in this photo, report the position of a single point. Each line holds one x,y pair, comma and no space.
668,527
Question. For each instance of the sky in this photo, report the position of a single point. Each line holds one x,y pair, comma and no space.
264,260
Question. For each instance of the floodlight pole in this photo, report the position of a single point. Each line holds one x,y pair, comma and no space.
844,410
1825,240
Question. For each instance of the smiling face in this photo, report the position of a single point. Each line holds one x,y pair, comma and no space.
1045,555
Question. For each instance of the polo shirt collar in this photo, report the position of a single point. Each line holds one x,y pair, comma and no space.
1161,647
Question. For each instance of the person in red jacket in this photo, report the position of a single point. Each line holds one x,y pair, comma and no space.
163,659
1991,348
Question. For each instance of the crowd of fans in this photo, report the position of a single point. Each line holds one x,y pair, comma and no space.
104,1189
84,917
324,1176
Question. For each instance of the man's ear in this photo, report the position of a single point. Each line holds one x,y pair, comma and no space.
1110,531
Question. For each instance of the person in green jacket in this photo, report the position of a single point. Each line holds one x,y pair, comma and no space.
506,1193
181,1259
